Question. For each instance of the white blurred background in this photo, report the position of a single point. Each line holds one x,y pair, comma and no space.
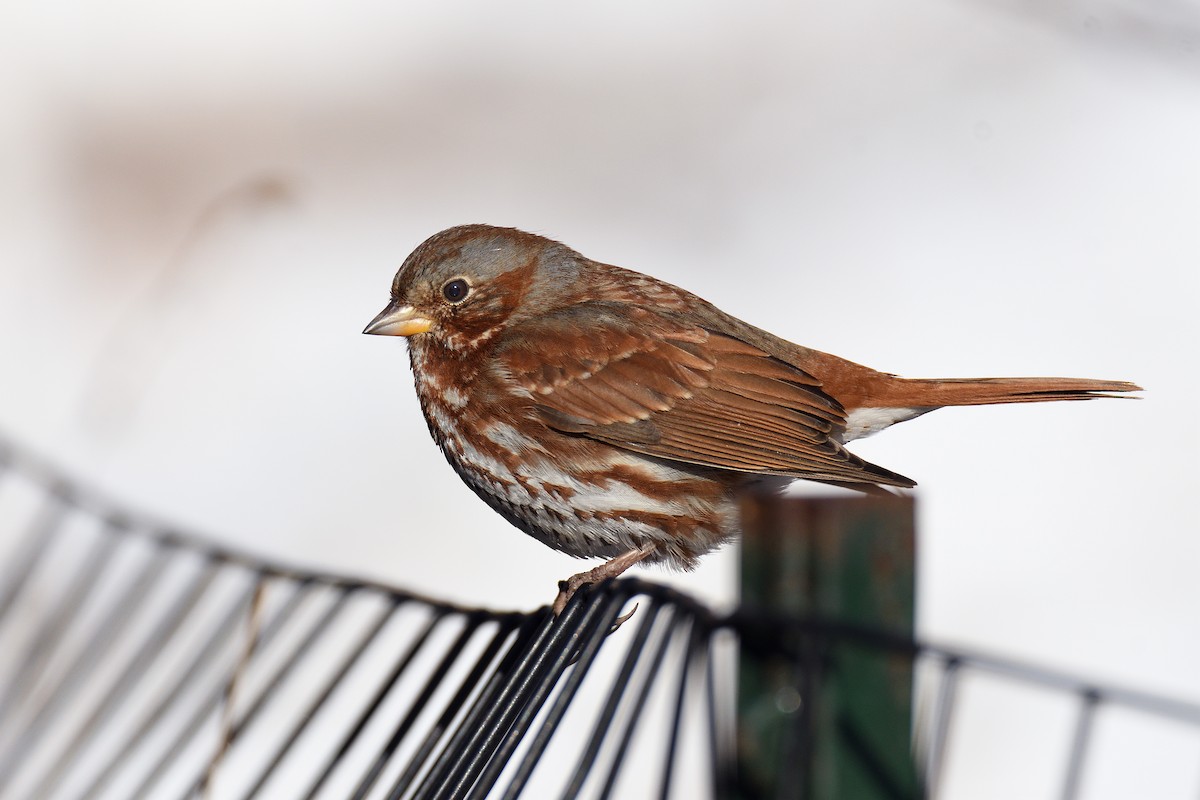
202,205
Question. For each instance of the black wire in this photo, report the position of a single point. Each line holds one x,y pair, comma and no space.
216,694
1088,701
431,685
103,636
470,683
209,650
58,621
603,722
470,741
454,752
402,665
365,638
580,664
152,646
581,643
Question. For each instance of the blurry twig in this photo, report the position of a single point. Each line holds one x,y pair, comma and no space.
229,704
134,349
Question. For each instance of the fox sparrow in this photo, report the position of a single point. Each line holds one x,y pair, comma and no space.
607,413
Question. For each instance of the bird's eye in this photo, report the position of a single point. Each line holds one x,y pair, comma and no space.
456,290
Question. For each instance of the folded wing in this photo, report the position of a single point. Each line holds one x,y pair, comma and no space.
670,389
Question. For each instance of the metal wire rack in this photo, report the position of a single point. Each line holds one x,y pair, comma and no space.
139,662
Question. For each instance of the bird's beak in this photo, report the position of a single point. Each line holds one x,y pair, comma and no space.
398,319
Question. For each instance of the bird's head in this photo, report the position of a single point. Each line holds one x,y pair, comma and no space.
465,285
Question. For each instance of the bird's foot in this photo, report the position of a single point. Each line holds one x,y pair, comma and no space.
609,569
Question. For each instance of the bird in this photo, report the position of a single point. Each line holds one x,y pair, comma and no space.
610,414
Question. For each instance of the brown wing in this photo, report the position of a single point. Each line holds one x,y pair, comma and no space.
672,390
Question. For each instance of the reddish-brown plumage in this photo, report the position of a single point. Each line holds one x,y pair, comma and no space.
610,414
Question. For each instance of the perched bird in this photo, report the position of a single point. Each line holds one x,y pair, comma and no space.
610,414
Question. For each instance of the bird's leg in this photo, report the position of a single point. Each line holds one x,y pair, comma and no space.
609,569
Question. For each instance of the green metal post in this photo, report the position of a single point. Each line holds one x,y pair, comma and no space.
839,726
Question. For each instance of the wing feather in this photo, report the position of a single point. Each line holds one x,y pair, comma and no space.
670,389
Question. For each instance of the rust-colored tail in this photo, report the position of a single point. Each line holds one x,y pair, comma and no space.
935,393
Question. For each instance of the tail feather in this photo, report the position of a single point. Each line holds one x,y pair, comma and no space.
936,393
